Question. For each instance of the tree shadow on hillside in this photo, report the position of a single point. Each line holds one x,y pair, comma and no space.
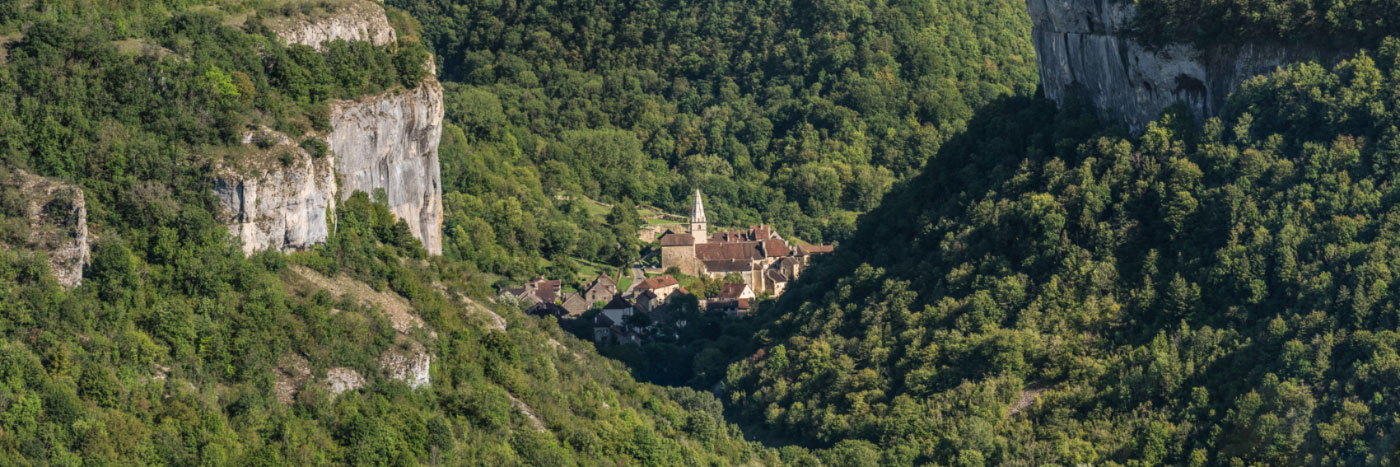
997,140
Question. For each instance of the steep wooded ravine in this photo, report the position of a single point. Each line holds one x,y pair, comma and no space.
1051,290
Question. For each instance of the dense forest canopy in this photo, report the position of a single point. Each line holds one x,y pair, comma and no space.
1049,291
1323,24
795,113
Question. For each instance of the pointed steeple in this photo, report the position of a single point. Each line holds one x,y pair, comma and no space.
698,224
697,212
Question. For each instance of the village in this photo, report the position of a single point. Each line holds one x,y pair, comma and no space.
739,267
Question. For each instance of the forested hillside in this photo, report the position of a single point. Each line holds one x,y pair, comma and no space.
1015,283
177,349
1052,291
795,113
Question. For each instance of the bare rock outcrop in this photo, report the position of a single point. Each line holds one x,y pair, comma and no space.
277,196
341,379
390,142
409,364
291,374
56,215
1084,46
349,21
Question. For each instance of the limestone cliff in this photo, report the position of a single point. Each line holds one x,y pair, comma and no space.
387,141
390,141
360,20
276,195
1084,46
55,216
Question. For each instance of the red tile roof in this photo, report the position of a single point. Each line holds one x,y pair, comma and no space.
677,240
728,265
547,290
728,251
815,249
776,247
652,283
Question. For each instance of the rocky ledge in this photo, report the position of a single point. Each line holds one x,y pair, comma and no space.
360,20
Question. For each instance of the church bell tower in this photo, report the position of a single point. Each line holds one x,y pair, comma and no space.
697,220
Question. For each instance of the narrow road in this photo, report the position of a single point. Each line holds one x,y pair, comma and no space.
637,275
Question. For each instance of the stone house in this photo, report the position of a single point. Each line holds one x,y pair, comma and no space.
660,286
601,290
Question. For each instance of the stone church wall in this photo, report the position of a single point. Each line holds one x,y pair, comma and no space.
682,257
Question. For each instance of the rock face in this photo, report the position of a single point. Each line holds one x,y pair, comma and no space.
350,21
57,216
341,379
1084,47
408,365
390,141
281,198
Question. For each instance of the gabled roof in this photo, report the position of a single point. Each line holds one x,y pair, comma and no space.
574,302
603,288
776,247
604,280
776,276
728,251
652,283
618,303
676,239
728,265
731,291
602,321
815,249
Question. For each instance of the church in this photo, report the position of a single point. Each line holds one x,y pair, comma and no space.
763,258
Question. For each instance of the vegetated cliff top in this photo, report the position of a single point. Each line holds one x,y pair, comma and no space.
1316,24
